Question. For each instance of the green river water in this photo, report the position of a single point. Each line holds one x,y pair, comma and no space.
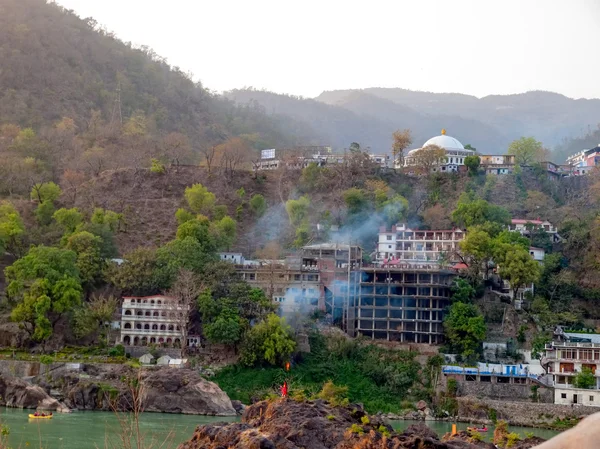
82,430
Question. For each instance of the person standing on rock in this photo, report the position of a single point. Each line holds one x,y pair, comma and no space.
284,389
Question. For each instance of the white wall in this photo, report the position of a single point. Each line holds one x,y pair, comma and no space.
584,397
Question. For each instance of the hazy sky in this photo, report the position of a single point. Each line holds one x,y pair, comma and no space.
477,47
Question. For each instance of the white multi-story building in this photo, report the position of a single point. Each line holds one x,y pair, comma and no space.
455,154
151,320
524,227
567,356
404,245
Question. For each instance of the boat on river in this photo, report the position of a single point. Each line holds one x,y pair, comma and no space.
475,429
32,416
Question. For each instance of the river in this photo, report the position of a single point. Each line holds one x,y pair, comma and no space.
82,430
442,427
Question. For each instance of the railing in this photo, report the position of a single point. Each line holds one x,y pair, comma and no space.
166,319
141,305
150,331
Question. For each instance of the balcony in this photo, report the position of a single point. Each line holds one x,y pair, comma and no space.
164,306
151,332
154,319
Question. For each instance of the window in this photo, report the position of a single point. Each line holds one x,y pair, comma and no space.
389,237
591,398
389,246
563,395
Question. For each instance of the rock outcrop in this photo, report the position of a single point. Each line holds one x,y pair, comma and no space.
184,391
19,394
286,424
167,390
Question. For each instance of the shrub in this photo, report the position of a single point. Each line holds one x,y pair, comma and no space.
475,436
512,438
333,394
355,428
117,351
157,166
46,360
330,417
451,387
493,415
365,420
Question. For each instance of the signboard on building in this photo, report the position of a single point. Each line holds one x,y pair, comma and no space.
267,154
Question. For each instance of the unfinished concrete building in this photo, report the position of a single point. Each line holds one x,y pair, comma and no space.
403,305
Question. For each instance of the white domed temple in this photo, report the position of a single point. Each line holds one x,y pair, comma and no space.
455,153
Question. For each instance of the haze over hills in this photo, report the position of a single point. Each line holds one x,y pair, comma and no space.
54,64
369,116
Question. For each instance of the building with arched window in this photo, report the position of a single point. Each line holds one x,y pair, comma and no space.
150,320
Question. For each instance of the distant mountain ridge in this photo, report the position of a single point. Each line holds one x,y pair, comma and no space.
369,116
548,116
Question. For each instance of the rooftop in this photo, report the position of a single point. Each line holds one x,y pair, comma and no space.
524,221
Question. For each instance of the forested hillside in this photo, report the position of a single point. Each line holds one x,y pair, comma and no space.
55,65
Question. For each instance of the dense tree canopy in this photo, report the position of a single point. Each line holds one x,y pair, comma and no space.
43,285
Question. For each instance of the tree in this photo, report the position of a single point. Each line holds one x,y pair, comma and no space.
231,154
519,268
90,263
94,315
539,205
465,329
45,191
108,218
71,181
401,141
185,290
527,150
44,212
427,158
436,217
200,230
472,211
225,290
462,291
44,284
472,163
395,209
356,200
585,379
258,205
226,231
187,253
12,229
182,216
225,329
199,199
476,250
297,210
270,341
137,274
68,219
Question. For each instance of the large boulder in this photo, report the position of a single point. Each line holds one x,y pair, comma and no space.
173,390
17,393
286,424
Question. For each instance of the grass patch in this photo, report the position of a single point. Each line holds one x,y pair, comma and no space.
375,377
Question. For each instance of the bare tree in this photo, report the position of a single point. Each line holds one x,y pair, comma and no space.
402,140
428,157
232,154
185,291
209,152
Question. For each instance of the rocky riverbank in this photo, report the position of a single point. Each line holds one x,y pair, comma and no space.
108,386
286,424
